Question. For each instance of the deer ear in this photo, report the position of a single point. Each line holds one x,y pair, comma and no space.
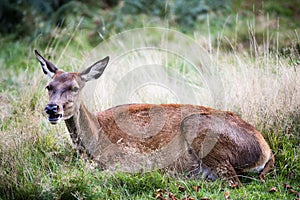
48,68
94,71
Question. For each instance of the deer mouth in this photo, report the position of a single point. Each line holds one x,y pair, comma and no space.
54,118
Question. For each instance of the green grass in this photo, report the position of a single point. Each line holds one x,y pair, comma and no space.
43,165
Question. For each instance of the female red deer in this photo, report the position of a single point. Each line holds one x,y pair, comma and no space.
185,138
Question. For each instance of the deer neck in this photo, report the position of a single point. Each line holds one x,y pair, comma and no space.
84,129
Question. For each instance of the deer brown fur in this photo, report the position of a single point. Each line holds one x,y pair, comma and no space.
186,138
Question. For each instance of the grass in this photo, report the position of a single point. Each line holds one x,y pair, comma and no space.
37,160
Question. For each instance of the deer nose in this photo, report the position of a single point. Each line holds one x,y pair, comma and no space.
51,109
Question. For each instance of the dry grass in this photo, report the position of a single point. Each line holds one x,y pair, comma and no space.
264,91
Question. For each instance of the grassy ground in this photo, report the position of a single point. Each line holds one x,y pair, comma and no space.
37,161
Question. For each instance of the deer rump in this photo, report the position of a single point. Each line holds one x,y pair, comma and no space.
185,138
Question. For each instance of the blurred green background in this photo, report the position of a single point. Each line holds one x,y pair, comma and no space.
30,19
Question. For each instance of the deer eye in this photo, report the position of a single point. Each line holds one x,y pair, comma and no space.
75,89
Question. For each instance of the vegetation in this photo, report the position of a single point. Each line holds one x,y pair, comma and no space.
256,51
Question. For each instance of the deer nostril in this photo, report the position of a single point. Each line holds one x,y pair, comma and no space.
51,109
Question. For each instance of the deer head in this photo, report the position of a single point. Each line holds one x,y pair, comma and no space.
65,87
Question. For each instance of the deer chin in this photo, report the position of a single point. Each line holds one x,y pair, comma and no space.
54,118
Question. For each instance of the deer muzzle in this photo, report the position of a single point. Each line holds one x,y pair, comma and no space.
54,116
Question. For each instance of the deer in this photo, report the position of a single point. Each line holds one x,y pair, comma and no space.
192,139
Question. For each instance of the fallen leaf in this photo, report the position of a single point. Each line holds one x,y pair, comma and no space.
159,191
172,196
159,194
226,195
292,191
181,188
286,186
196,188
188,198
273,189
160,197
